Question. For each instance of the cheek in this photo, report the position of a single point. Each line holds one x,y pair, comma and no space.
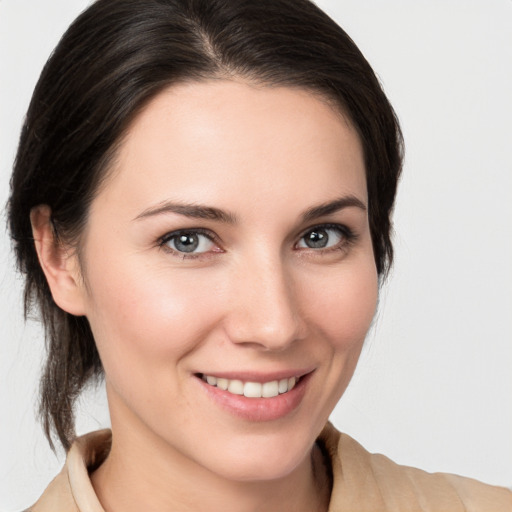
146,313
343,308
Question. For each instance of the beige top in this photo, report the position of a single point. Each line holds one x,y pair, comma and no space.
362,482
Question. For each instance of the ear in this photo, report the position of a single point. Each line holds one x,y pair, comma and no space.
59,263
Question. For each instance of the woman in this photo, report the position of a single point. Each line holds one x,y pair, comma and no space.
202,212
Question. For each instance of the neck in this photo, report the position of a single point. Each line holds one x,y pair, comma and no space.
143,473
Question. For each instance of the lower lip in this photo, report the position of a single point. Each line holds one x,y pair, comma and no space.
258,409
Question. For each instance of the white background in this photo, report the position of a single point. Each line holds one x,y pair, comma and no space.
433,388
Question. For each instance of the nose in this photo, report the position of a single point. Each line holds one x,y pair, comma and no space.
264,310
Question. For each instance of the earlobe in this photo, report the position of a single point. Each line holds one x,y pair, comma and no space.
59,263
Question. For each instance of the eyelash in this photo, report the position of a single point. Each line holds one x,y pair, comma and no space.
163,241
348,238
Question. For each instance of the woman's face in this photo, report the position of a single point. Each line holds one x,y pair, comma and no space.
230,247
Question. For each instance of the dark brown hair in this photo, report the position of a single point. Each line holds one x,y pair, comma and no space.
114,58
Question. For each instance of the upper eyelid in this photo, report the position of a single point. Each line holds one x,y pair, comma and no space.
327,225
333,225
202,231
209,232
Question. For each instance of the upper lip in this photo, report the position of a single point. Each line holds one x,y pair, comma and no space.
258,376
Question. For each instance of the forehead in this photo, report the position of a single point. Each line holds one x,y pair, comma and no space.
222,140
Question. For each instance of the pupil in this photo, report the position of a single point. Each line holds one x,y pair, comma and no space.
316,239
187,242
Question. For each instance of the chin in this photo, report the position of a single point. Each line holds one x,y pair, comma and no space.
261,469
260,457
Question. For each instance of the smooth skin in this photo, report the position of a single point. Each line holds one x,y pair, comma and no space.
271,283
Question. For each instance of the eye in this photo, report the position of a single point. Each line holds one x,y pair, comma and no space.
324,237
189,242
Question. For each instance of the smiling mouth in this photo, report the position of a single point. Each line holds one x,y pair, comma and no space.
252,389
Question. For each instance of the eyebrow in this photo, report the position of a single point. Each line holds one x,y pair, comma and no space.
332,207
197,211
194,211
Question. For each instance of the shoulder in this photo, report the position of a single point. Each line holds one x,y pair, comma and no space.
57,496
365,482
71,490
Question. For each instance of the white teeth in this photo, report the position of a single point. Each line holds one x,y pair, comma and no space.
236,387
252,389
222,384
270,389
